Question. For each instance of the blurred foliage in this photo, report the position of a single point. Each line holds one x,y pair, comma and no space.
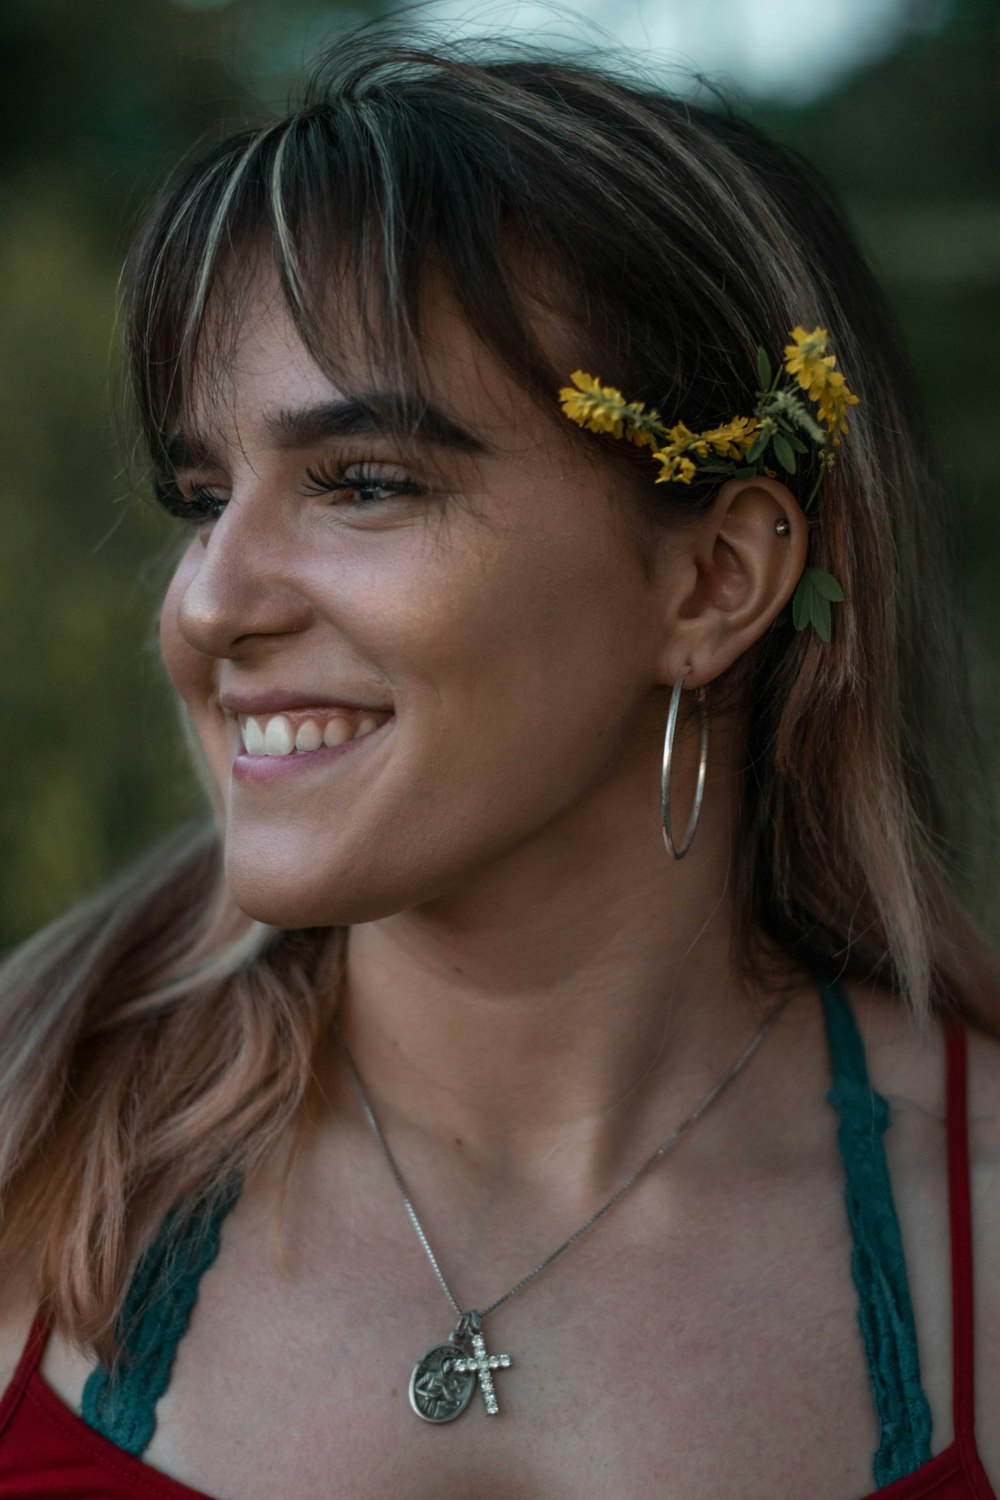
98,102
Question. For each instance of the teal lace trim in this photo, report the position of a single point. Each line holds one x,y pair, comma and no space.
885,1311
122,1405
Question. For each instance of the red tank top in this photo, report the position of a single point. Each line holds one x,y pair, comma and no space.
47,1450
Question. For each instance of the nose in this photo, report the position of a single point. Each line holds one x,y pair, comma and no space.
242,583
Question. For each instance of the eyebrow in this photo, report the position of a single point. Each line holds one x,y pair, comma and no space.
382,413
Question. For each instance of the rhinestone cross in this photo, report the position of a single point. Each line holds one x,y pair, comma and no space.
483,1364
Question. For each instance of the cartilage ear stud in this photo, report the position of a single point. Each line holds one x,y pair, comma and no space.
781,526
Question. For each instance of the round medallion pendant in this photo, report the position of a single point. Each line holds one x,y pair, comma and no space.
438,1392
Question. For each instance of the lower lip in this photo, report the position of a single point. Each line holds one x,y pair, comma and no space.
267,768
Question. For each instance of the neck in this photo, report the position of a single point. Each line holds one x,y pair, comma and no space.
551,1023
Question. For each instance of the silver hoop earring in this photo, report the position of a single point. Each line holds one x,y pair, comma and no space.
668,752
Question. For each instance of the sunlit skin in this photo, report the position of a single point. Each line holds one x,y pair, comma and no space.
522,945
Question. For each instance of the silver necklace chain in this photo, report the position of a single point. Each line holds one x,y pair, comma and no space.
666,1146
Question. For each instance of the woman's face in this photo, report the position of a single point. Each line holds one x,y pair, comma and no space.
477,595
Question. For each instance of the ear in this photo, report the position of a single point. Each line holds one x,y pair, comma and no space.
730,576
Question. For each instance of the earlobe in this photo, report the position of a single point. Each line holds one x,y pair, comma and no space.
747,558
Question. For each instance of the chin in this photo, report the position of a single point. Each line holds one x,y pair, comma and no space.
283,900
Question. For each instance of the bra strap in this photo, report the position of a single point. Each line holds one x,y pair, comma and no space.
878,1267
121,1403
960,1216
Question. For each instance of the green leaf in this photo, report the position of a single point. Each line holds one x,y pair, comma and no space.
811,604
783,453
825,584
794,441
801,612
808,609
763,369
821,617
745,471
760,442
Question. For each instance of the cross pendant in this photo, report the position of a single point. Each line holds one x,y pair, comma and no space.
483,1365
442,1382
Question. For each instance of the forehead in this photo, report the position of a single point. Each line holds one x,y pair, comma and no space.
255,376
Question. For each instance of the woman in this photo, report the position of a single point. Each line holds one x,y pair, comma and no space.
425,1081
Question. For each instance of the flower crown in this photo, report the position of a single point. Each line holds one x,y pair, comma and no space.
781,421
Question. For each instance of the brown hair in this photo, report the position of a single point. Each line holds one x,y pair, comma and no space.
674,239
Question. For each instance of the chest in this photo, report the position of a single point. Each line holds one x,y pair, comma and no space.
716,1356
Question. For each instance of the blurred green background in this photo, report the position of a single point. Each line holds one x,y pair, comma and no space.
896,101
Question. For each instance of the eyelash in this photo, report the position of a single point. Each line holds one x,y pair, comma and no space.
202,506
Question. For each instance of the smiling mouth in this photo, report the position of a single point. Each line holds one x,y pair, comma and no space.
284,746
306,731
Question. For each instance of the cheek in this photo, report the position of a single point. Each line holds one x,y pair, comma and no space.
539,628
518,660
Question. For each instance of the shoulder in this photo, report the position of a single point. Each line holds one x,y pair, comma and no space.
907,1064
18,1306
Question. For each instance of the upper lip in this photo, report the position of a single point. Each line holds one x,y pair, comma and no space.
278,700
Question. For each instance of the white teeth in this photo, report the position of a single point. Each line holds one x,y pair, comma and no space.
278,736
309,737
337,732
253,738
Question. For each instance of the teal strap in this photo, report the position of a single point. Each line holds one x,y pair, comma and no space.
885,1311
122,1405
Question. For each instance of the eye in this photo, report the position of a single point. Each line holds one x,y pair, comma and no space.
203,504
361,485
363,481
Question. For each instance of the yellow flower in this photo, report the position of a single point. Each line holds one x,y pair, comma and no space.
678,449
671,457
592,405
681,437
674,467
602,408
833,404
733,439
730,440
806,358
